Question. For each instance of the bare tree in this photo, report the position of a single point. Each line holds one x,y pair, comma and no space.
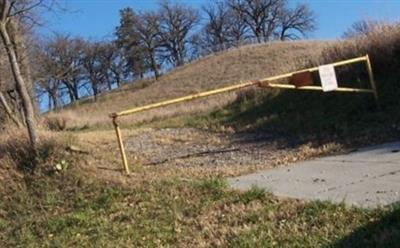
150,34
105,56
51,87
117,65
109,63
66,65
128,41
92,67
292,22
218,26
177,21
238,31
71,57
59,67
259,15
9,11
96,63
361,28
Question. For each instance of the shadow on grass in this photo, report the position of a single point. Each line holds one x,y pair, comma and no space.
317,117
194,155
382,233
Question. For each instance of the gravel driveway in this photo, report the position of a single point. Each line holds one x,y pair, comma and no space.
194,147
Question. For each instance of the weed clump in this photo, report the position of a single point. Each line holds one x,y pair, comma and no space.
254,193
60,121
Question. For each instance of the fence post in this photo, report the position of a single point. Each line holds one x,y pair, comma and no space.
121,145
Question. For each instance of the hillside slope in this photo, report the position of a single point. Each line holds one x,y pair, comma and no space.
213,71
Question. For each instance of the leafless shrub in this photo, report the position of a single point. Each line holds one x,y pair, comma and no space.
60,121
362,28
382,44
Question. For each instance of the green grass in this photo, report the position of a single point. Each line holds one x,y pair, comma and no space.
254,193
64,210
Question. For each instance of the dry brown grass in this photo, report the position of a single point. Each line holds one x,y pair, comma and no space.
10,177
213,71
18,161
61,121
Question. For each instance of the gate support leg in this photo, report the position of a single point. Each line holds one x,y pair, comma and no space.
121,145
372,81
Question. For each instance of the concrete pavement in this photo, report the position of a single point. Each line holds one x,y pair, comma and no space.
369,177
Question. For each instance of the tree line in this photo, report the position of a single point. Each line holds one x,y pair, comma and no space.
147,43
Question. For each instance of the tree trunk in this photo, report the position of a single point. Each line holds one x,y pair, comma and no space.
118,81
282,35
71,95
71,92
109,83
180,55
76,90
9,111
21,87
49,103
22,57
54,100
154,66
95,91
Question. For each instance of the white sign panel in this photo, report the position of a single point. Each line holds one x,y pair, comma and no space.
328,77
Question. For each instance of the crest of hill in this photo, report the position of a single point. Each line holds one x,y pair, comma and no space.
213,71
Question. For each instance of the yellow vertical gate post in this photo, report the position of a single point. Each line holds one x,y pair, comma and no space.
372,80
121,145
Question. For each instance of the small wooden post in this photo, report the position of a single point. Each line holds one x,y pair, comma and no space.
372,80
121,145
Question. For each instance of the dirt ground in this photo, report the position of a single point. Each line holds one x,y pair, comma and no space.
193,147
188,152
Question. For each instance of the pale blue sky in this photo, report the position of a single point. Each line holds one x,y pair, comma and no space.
98,18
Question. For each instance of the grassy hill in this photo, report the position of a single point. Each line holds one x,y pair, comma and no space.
305,115
213,71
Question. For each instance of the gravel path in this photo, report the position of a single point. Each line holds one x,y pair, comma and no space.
194,147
